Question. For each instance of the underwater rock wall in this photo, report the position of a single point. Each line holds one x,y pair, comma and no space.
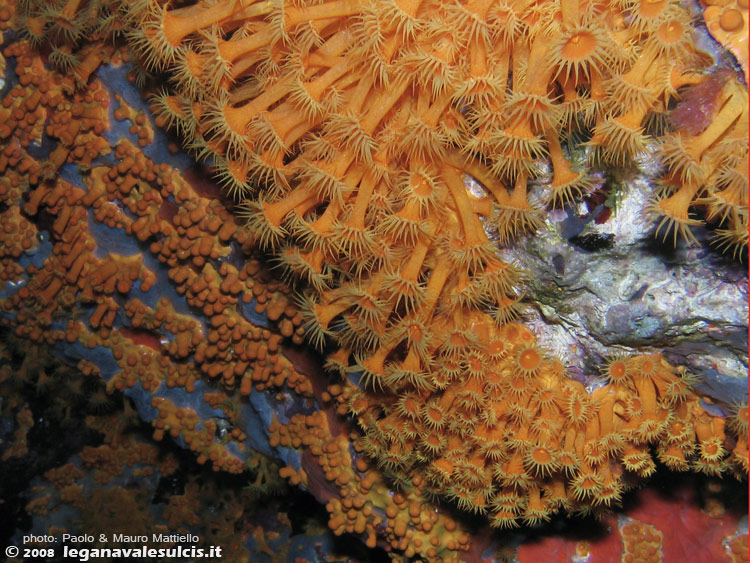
131,267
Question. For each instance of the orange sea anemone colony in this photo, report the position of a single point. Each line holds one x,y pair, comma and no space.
310,93
347,127
710,168
359,119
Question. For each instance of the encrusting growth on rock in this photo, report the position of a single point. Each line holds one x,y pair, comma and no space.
347,128
80,292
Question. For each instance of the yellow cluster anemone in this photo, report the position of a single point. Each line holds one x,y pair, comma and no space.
709,167
360,117
525,441
347,129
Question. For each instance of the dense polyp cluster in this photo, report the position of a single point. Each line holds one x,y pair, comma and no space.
642,542
364,503
522,441
359,121
348,129
385,105
66,284
109,482
709,166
